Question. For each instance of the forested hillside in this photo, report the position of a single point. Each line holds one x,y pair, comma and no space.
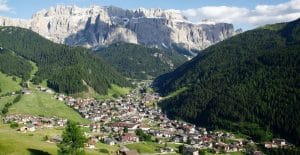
65,68
249,83
14,65
140,62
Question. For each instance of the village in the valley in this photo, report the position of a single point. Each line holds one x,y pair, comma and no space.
136,118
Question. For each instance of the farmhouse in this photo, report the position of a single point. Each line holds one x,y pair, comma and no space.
91,144
279,142
26,92
128,137
28,127
110,141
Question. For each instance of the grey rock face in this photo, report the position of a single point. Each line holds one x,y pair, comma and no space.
100,26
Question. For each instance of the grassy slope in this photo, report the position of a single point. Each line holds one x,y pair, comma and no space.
115,90
231,153
15,143
148,147
35,69
4,100
107,149
39,103
175,93
8,85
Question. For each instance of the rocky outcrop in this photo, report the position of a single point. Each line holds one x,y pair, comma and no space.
4,21
99,26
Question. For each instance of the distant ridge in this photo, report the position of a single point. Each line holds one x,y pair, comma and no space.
139,62
99,26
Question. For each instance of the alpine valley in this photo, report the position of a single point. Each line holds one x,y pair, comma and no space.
107,80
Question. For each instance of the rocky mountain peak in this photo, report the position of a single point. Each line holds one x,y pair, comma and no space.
159,13
98,26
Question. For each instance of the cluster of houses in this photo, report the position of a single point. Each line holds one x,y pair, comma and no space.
26,91
30,123
277,143
115,121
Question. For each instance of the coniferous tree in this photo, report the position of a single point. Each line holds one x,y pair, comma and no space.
73,140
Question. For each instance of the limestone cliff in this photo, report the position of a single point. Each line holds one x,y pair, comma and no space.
99,26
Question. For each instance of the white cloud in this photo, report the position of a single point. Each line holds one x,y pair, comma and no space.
260,15
4,7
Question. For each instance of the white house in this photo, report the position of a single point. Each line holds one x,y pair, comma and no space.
28,127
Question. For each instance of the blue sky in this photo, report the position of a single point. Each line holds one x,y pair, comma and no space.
25,8
243,13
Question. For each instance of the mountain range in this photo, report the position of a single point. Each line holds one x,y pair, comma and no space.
99,26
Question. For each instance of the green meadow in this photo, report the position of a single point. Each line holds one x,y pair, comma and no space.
8,85
13,142
44,104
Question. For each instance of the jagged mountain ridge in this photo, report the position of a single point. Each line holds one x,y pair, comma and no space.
99,26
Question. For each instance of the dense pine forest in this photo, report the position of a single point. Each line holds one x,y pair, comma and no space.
140,62
14,65
66,69
249,83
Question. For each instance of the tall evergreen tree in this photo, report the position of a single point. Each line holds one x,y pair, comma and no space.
73,140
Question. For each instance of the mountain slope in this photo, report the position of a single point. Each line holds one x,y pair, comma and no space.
248,83
140,62
100,26
8,84
65,68
14,65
